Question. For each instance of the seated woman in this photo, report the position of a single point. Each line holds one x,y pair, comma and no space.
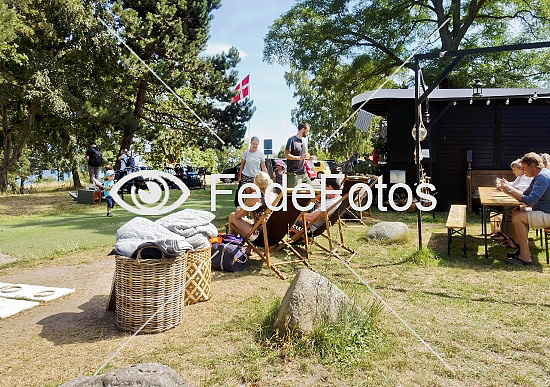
331,184
521,183
239,223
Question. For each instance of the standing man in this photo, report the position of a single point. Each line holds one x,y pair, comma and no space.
296,153
351,163
123,158
535,211
94,157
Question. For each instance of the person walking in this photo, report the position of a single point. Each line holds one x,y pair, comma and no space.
296,154
252,162
351,163
94,158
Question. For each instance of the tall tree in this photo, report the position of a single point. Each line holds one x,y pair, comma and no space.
365,40
51,67
168,35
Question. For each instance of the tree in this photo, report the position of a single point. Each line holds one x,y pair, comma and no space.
46,70
168,35
344,47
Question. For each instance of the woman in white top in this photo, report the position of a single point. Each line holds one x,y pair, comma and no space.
253,161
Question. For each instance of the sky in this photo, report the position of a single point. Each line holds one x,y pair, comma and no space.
243,24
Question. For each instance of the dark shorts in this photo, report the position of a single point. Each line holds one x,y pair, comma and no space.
110,201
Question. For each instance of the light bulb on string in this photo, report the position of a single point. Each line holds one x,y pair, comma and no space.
470,70
454,103
535,96
507,101
493,80
488,101
530,100
471,101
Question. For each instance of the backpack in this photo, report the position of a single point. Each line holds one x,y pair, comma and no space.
228,255
131,162
96,157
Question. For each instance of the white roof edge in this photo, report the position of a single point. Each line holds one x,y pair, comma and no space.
447,94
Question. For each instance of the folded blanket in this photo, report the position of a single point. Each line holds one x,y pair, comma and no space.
185,219
140,232
198,241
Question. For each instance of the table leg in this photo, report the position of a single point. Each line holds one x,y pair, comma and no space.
484,229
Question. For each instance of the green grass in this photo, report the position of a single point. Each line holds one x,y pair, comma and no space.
58,225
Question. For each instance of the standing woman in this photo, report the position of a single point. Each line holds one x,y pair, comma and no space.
253,161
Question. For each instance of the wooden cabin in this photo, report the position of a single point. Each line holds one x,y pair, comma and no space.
496,134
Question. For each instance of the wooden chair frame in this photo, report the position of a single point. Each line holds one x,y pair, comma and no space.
271,222
358,199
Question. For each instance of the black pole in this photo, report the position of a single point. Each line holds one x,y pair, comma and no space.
417,142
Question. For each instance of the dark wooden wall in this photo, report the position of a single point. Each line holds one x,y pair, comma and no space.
497,134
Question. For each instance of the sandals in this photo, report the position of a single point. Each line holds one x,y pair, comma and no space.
518,261
510,243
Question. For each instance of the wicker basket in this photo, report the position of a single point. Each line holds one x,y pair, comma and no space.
198,288
142,286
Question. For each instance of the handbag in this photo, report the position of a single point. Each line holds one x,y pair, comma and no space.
228,257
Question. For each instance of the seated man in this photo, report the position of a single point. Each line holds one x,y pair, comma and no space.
535,211
332,184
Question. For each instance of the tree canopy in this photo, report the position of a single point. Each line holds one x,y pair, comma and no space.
340,48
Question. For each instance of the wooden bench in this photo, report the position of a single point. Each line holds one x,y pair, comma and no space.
476,178
456,224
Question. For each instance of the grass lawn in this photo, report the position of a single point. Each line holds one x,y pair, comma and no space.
487,320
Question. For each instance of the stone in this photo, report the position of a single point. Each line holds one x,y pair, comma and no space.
140,375
310,299
387,230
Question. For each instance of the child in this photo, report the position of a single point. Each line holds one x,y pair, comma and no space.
107,185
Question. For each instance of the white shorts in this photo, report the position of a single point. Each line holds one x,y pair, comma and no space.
538,219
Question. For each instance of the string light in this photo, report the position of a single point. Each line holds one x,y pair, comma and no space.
530,100
471,101
535,96
493,80
442,54
454,103
507,101
470,70
488,101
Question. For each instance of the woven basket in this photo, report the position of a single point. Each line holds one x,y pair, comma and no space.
198,288
142,286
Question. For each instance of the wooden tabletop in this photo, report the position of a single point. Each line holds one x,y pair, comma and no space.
490,196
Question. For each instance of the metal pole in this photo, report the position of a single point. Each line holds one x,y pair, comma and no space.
417,142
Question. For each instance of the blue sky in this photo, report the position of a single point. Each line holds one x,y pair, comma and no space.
243,24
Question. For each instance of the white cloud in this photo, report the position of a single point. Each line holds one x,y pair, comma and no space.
218,48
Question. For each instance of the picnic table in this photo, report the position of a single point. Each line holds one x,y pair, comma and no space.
493,201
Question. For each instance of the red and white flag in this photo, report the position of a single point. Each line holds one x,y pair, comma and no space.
242,89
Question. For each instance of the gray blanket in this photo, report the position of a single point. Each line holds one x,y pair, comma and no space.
140,232
185,219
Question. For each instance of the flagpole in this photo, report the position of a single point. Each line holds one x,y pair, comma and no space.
250,97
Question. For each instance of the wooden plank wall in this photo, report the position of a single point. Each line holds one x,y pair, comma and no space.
497,134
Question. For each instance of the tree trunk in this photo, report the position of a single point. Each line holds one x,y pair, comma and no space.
12,155
22,187
138,112
76,177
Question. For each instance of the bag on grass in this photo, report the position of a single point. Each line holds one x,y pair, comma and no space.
228,257
232,238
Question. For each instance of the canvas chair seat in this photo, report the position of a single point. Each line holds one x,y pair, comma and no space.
324,230
358,198
275,226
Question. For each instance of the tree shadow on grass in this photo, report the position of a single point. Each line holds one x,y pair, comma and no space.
473,259
93,324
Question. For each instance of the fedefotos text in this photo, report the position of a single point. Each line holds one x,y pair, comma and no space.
307,191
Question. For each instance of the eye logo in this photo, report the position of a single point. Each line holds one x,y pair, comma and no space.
156,185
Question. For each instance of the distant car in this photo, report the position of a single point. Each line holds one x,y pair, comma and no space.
234,170
334,166
321,167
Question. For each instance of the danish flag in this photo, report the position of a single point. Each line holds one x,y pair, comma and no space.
242,89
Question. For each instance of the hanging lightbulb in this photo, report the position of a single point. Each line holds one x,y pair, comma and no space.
493,80
488,101
471,101
530,100
470,70
507,101
454,103
442,54
535,96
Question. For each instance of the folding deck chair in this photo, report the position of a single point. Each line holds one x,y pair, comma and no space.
324,230
275,226
359,198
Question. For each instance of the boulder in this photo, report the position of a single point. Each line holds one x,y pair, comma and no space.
140,375
388,230
310,299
